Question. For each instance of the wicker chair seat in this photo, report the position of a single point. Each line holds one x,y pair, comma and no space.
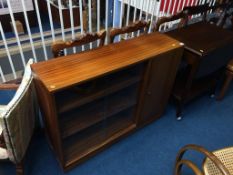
225,156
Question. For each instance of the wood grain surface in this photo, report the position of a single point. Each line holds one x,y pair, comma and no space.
202,38
59,73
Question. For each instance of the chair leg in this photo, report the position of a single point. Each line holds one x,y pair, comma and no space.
2,142
20,168
226,84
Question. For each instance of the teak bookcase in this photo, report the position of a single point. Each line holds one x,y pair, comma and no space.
92,99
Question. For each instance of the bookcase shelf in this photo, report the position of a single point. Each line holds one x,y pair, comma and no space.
90,91
94,137
90,114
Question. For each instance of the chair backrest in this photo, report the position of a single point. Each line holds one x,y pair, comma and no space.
59,46
179,16
219,14
196,10
17,118
139,25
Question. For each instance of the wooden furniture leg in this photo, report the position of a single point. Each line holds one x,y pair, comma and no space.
20,168
180,101
229,76
212,92
179,108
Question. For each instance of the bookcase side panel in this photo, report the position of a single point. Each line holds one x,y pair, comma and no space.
48,110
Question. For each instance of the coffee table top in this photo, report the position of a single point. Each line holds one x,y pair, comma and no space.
202,38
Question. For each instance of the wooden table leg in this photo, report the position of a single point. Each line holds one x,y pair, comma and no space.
229,76
179,108
193,66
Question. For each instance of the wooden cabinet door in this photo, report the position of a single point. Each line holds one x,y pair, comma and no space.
158,86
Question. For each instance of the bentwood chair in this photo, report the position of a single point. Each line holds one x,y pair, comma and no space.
143,26
179,16
59,46
219,162
17,119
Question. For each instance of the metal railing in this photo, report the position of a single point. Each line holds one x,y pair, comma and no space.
94,15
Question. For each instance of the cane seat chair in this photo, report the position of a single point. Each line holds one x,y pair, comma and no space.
219,162
59,46
225,155
142,26
17,120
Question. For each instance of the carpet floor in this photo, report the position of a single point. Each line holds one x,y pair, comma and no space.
152,149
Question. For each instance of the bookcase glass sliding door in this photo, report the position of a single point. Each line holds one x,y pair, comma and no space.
93,113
